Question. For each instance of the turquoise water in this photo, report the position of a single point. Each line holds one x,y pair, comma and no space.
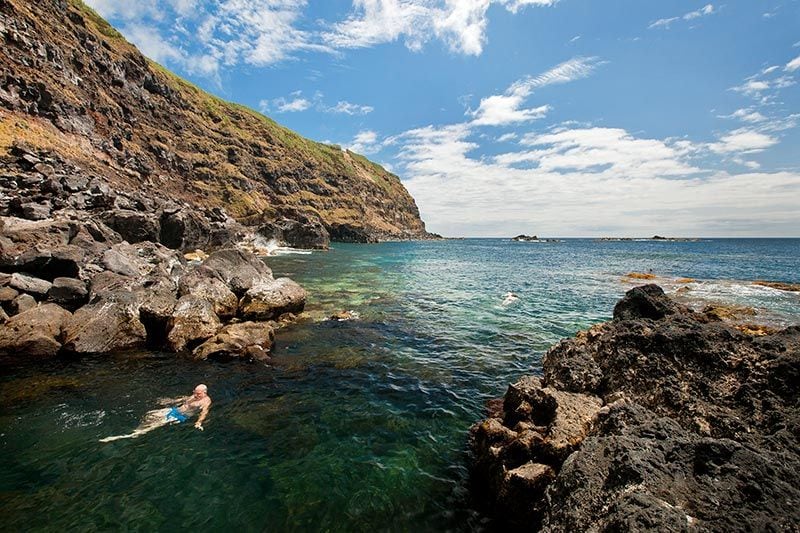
357,425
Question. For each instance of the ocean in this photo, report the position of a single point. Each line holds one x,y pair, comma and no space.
355,425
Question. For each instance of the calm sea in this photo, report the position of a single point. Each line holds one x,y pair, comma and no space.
357,425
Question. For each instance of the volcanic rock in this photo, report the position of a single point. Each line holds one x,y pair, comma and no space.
192,322
33,334
272,298
29,284
247,340
68,292
662,419
237,269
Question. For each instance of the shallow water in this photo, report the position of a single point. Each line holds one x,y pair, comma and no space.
357,425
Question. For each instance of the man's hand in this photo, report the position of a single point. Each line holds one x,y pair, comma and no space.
198,425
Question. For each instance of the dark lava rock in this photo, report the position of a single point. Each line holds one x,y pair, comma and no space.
239,270
647,301
308,234
183,229
133,226
68,292
659,420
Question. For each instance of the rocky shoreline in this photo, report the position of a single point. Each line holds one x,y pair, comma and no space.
662,419
73,285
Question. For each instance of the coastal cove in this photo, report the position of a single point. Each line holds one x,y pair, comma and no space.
358,424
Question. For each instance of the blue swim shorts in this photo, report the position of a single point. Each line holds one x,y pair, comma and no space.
176,415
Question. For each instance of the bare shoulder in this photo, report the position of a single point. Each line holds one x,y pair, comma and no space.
207,401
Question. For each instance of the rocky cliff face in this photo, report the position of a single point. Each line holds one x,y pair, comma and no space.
663,419
88,123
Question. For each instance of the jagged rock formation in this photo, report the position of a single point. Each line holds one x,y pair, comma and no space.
89,124
662,419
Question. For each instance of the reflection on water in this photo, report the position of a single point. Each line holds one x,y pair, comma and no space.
357,425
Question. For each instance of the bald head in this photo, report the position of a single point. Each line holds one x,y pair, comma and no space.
201,391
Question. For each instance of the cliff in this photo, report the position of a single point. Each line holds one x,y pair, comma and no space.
80,101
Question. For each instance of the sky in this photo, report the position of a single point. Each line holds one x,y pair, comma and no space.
548,117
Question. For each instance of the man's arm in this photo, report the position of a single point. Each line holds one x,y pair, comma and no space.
171,401
203,415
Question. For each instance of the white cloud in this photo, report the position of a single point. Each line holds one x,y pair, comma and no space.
349,108
609,151
507,137
289,106
746,115
461,24
793,65
743,141
503,109
665,23
365,142
585,182
515,5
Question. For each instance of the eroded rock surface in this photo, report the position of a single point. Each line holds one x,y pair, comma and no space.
662,419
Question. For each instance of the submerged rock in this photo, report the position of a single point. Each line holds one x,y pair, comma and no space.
663,419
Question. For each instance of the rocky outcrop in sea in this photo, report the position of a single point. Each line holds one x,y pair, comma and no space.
662,419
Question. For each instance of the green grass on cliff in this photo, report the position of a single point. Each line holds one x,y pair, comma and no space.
100,23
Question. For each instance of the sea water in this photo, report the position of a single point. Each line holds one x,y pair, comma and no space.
356,425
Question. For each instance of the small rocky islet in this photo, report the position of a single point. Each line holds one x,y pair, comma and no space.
661,419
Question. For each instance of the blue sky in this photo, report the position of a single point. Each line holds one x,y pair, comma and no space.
554,117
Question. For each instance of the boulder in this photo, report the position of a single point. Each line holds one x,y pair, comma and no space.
105,326
239,270
183,229
647,301
22,303
25,283
133,226
68,292
271,298
7,295
192,322
308,234
35,333
200,283
3,316
244,340
121,264
47,262
35,211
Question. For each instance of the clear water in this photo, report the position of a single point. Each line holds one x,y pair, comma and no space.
358,425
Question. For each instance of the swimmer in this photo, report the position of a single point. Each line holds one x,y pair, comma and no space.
510,298
183,408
